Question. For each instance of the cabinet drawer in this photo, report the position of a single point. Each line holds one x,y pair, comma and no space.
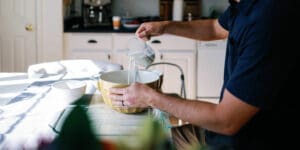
90,41
217,44
121,40
171,42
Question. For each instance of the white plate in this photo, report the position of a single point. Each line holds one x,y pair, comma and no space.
131,25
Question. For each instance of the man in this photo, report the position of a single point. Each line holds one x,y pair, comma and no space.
258,103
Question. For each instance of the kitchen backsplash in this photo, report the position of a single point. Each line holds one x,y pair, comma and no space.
213,8
162,8
135,8
79,14
197,8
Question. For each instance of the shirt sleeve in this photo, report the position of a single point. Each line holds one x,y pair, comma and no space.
224,19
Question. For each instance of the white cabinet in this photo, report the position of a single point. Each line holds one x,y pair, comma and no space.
182,52
120,48
211,58
98,46
88,46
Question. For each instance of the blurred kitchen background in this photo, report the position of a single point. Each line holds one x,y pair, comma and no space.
95,13
37,31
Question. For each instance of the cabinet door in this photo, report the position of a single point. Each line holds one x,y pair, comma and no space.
90,54
88,46
186,60
18,47
211,58
182,52
120,47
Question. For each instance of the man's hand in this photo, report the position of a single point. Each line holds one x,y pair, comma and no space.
135,95
148,29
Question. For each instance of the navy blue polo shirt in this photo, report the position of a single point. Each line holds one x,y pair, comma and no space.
260,69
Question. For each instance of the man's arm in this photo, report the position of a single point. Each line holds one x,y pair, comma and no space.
225,118
205,30
208,29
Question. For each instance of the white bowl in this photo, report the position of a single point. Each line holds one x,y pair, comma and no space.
69,90
131,26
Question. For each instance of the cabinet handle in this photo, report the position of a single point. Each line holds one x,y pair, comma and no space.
92,42
161,56
108,56
156,42
211,45
29,27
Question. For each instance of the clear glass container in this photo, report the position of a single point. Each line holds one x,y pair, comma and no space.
141,52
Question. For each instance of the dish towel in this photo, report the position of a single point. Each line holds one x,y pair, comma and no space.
80,67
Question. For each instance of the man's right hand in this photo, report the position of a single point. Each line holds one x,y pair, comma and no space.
148,29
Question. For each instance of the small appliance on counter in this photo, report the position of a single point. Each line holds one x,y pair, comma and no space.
81,14
97,13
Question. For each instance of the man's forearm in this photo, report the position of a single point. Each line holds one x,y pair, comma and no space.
195,112
205,30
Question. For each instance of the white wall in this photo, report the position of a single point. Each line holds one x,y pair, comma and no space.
135,7
213,5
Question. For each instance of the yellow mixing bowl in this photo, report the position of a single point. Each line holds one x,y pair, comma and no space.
120,79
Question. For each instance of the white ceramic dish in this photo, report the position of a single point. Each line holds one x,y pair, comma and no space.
131,26
69,90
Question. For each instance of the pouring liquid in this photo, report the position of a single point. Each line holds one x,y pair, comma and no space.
132,71
141,54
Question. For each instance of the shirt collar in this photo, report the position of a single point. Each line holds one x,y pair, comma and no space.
244,6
